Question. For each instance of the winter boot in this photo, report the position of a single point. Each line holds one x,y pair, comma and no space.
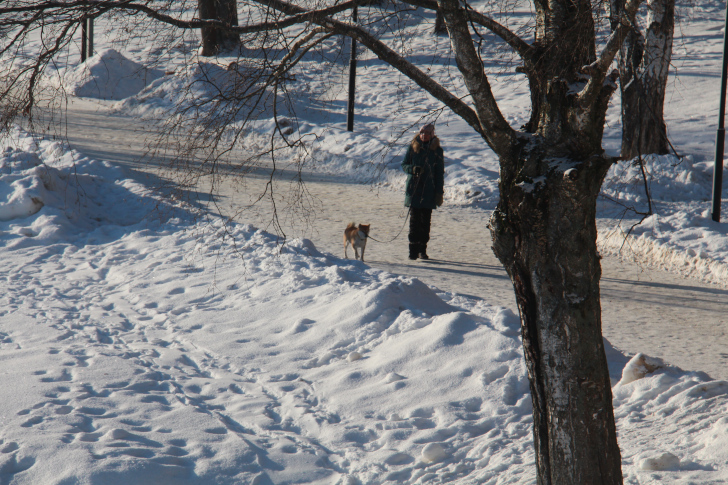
423,252
414,249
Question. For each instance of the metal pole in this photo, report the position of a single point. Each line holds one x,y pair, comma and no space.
720,136
84,34
90,36
352,81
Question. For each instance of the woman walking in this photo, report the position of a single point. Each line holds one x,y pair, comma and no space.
424,164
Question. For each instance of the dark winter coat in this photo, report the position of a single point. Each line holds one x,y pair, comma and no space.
422,190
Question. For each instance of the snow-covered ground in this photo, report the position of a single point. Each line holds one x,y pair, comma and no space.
142,344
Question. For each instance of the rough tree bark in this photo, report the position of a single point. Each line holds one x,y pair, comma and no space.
215,40
644,62
544,231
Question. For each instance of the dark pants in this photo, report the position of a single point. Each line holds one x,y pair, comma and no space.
419,229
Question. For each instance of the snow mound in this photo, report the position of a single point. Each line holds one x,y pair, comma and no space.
680,235
669,178
666,461
51,194
195,90
433,452
670,409
108,75
637,368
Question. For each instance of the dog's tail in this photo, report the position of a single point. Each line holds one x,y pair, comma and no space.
351,224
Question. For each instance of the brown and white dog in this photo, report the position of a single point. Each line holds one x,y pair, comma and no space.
357,237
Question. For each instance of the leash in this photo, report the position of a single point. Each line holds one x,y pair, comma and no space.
400,231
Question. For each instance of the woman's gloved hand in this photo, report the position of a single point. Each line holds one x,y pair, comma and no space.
439,199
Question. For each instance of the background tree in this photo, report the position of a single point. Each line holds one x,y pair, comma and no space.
217,39
544,228
644,62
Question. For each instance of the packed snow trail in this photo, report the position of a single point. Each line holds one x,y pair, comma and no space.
644,310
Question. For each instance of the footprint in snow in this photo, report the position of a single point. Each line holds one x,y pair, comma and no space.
301,325
493,375
398,459
472,405
64,377
12,466
65,335
120,442
8,447
81,357
5,339
32,422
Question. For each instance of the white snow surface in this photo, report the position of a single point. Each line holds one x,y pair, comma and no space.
150,349
141,346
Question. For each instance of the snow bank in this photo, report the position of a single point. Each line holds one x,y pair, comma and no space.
107,75
195,90
51,194
670,424
680,236
664,255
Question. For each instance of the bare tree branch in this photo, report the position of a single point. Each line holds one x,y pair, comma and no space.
497,132
385,53
599,68
303,17
524,50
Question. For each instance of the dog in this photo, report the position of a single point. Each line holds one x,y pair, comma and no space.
357,237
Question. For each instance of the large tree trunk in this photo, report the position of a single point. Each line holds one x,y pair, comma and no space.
544,228
644,63
215,40
544,233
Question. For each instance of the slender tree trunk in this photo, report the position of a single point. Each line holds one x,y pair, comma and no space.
214,40
643,67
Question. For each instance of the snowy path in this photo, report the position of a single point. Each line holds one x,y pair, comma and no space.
680,320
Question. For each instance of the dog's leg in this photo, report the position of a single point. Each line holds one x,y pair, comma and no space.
345,255
362,251
356,252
